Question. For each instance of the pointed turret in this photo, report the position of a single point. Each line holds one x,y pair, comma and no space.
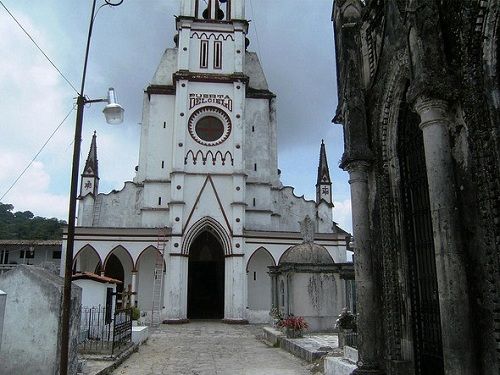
323,183
90,176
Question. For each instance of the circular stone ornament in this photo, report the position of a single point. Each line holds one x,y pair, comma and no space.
209,126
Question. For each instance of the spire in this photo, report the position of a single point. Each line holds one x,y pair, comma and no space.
90,169
323,183
90,176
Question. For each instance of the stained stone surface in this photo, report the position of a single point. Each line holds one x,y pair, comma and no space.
205,348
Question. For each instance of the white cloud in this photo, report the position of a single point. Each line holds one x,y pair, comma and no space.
31,192
342,214
33,102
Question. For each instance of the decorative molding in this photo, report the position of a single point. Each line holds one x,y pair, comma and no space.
209,35
209,155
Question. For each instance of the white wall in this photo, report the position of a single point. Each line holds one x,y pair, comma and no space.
93,292
259,290
3,301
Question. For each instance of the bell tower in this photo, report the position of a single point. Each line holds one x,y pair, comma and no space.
208,158
89,183
220,10
323,183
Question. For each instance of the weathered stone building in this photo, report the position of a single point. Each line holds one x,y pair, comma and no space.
419,101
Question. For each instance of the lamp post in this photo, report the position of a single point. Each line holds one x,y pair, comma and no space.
114,115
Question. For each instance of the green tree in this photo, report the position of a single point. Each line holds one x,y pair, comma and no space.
26,226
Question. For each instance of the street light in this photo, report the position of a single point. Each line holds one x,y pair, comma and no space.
114,115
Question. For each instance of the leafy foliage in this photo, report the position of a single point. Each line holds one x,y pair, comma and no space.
26,226
297,323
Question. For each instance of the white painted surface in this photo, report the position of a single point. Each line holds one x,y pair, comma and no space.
140,334
93,292
258,281
3,301
171,190
338,366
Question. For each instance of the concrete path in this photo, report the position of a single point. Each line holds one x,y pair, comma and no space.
206,348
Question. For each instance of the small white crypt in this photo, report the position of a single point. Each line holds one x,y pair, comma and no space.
206,214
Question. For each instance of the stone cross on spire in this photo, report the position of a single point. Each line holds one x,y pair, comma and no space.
307,229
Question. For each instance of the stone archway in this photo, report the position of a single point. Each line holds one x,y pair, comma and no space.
205,278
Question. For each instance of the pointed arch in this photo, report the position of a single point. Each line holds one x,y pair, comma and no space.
284,252
83,248
260,249
212,225
150,247
87,259
126,253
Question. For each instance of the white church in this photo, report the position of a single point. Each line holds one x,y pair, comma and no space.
206,214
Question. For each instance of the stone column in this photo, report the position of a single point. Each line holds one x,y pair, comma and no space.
366,293
134,288
274,287
450,259
234,292
175,296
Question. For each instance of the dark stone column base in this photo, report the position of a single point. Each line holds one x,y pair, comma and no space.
175,321
368,370
235,321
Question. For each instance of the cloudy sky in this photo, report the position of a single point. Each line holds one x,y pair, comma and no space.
293,38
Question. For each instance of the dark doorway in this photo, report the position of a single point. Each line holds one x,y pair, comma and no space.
206,278
419,244
114,269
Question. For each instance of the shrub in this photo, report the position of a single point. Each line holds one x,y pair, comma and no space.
297,323
346,320
136,313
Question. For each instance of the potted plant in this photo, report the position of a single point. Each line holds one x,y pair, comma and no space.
135,315
346,324
294,326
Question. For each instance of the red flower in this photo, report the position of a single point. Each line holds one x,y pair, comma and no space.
296,323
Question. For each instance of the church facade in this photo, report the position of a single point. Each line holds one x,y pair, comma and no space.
206,214
418,95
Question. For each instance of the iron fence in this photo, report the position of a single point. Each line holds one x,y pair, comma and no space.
351,339
104,331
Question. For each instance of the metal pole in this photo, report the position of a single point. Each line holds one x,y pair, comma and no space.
66,308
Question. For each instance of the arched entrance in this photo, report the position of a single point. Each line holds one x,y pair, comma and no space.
206,278
114,269
419,244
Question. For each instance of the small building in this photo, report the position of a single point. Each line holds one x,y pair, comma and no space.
307,282
43,253
31,331
97,290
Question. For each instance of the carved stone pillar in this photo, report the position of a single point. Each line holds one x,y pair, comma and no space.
450,260
366,293
134,288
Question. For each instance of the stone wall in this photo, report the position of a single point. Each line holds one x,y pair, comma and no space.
31,337
3,301
440,65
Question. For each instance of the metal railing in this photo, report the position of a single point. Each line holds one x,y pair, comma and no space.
103,331
351,339
7,267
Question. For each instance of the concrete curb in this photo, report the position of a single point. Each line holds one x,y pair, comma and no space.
119,360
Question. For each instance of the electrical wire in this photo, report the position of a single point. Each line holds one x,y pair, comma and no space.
39,48
38,153
257,35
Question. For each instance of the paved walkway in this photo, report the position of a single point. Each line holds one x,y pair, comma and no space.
209,348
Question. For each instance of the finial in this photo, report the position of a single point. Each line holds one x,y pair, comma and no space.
322,142
307,229
95,132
